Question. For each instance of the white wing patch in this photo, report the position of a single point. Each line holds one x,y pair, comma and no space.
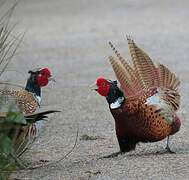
155,100
165,110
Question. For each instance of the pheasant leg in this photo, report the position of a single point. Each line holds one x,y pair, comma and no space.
168,148
113,154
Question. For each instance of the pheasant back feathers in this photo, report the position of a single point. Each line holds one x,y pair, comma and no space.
25,100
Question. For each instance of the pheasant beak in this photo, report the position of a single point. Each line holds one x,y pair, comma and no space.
52,79
94,87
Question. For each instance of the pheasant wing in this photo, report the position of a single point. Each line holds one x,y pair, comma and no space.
145,69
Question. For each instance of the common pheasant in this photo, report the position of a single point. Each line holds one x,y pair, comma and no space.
145,105
27,101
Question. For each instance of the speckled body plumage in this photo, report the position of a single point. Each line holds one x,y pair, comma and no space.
136,122
25,100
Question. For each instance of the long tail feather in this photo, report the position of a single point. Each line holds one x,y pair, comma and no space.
34,117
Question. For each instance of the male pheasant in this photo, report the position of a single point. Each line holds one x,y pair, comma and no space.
27,101
145,105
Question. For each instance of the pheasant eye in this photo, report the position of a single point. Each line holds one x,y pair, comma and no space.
103,84
42,73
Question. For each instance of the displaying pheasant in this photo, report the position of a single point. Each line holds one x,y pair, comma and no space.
27,101
145,105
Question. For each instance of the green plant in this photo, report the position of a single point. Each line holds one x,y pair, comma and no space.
8,47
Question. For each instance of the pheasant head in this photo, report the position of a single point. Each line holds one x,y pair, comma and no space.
38,78
110,90
102,86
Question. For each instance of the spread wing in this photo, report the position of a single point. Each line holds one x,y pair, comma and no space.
144,75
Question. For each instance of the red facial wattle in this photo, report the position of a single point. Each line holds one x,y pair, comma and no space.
103,86
42,80
43,77
103,90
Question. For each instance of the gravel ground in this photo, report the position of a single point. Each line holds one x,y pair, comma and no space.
71,37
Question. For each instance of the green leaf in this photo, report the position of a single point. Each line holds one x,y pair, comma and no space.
16,117
5,145
8,126
3,176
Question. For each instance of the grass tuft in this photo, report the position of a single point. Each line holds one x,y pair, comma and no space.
9,45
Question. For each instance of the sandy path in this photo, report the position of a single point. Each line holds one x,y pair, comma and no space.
71,38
